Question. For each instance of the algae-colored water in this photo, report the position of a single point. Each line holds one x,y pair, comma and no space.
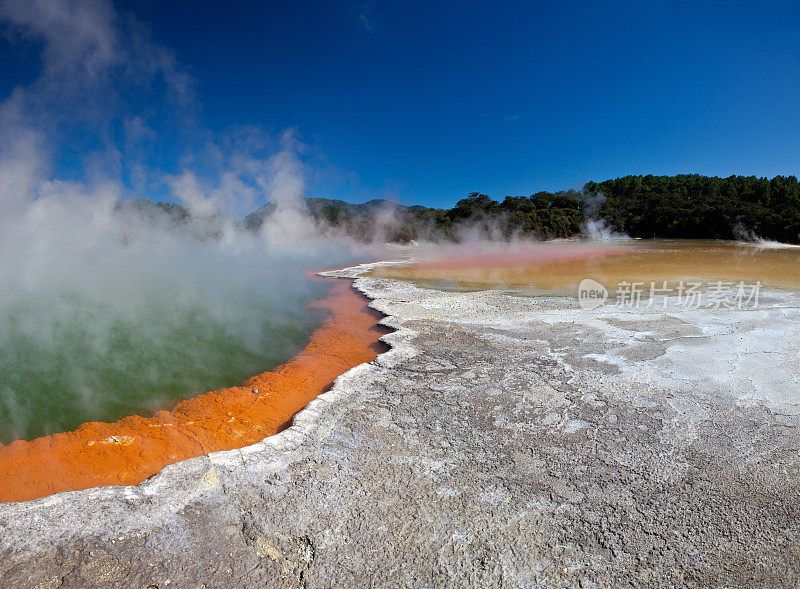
92,362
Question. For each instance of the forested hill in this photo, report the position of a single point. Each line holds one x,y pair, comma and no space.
685,206
694,206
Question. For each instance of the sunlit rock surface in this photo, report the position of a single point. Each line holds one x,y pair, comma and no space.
503,441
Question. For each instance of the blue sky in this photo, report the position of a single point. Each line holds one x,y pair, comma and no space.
427,101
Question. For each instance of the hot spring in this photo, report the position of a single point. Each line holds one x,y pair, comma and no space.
107,315
96,362
556,268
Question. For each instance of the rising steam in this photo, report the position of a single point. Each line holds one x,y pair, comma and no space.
109,309
595,228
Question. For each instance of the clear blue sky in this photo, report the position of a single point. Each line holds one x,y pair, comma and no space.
429,100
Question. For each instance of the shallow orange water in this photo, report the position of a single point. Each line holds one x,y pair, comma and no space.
559,267
132,449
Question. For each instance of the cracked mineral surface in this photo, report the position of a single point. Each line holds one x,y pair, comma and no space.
503,441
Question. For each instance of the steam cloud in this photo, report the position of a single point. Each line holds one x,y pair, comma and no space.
105,309
749,237
598,229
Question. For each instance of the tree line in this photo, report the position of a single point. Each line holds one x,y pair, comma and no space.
702,207
685,206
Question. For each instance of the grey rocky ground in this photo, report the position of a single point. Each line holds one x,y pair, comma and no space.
503,441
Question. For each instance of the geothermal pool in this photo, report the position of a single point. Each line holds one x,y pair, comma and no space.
93,362
557,268
134,448
120,373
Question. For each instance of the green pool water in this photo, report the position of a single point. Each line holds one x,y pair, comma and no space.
96,362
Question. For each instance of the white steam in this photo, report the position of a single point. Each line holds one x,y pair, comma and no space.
594,228
600,230
88,287
749,237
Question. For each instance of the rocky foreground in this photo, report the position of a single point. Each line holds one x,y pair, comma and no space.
503,441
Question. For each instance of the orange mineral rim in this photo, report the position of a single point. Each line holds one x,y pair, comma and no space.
130,450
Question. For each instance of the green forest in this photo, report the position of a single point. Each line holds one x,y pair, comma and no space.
683,206
694,206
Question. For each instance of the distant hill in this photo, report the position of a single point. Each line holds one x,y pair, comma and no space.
334,212
153,211
682,206
543,215
702,207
